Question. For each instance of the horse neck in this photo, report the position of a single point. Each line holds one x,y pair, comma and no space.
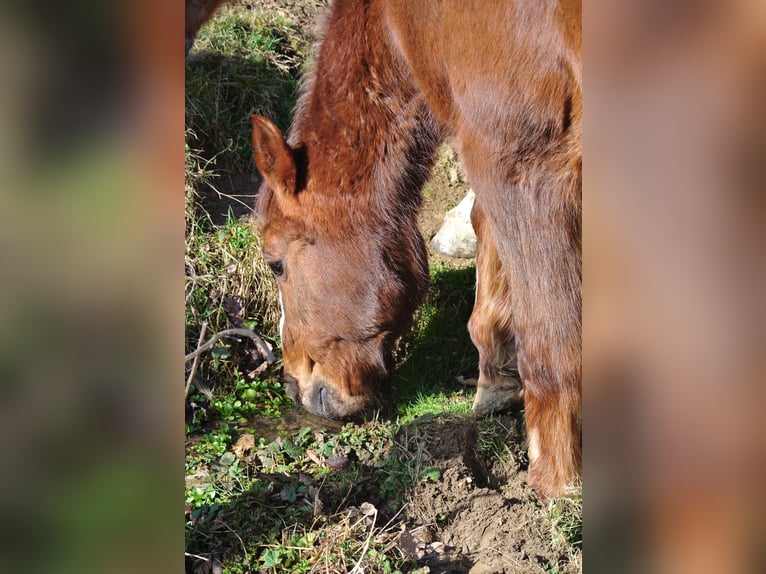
368,137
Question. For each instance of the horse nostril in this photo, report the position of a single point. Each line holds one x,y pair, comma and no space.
322,399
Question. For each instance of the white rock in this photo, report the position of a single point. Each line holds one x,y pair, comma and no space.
456,237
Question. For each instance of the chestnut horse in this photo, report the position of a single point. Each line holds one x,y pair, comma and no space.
337,209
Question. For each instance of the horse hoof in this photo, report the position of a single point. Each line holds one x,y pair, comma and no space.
496,398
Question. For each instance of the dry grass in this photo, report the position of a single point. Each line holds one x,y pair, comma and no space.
246,60
222,264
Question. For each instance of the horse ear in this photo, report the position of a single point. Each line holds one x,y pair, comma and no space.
273,157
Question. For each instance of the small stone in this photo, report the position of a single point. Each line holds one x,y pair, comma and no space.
201,479
456,237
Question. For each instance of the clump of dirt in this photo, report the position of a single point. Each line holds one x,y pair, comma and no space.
480,516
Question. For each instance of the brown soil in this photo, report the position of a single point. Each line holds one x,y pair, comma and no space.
444,191
479,516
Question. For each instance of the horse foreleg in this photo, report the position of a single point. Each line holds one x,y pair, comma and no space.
553,432
552,409
490,326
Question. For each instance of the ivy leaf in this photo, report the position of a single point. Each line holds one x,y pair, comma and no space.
227,459
271,557
431,473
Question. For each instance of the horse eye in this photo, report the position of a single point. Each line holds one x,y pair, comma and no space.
277,267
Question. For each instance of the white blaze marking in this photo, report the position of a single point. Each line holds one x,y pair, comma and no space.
282,317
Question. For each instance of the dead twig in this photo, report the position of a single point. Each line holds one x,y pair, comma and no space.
368,510
260,343
193,370
232,197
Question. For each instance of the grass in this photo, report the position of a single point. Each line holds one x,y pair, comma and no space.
280,508
269,489
438,350
244,62
566,522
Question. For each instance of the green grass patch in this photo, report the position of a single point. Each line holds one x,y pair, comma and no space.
494,440
438,348
226,261
565,515
281,509
225,267
244,62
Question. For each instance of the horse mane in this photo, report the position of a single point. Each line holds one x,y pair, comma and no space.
383,180
308,73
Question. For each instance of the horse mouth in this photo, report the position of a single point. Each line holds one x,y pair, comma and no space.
323,400
291,388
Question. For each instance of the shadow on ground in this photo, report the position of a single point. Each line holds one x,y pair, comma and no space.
222,92
438,349
449,493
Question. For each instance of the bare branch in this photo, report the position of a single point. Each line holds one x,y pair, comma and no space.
193,370
260,343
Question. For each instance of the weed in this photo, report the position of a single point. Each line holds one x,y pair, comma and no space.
235,70
565,515
251,398
496,440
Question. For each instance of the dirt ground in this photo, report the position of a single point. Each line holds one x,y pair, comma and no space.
479,516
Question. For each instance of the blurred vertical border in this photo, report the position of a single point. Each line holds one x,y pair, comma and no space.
91,288
674,282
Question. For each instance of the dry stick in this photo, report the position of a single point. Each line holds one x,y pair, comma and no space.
193,370
357,567
262,346
220,193
229,528
197,556
394,518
